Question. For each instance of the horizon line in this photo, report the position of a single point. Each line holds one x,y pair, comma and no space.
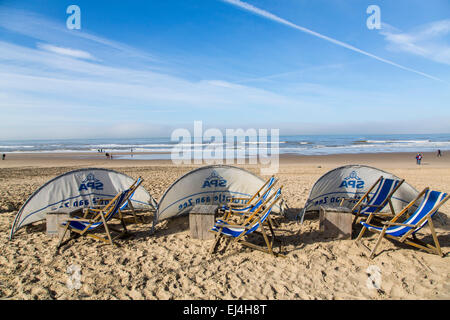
281,135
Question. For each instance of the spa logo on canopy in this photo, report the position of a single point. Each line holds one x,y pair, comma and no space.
352,181
214,180
91,182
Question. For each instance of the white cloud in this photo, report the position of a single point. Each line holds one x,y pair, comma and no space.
429,41
66,51
40,28
275,18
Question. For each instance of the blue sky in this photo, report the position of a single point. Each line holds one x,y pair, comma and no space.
144,68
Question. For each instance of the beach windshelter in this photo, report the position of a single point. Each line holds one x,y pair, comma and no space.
354,181
214,184
405,231
79,189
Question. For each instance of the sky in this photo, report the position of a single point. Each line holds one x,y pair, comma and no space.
145,68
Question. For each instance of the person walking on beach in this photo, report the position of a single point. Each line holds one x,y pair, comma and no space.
3,156
419,158
439,154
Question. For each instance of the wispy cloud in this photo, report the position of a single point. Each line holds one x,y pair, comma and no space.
275,18
66,51
429,41
39,27
298,72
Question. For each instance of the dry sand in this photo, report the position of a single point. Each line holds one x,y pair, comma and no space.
172,265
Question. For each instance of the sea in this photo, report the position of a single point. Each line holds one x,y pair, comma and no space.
162,147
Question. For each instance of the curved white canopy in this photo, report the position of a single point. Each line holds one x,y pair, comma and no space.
77,189
351,181
213,184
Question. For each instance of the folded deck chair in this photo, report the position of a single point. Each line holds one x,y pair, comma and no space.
249,209
405,232
385,189
100,217
127,206
255,221
249,202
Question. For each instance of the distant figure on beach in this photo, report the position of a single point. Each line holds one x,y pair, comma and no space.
3,156
107,155
439,154
132,152
418,158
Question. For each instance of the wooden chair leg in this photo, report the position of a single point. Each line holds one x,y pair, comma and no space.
105,225
433,232
355,218
361,234
269,246
63,235
372,253
270,223
216,241
133,212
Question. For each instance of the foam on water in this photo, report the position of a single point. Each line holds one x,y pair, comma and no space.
300,144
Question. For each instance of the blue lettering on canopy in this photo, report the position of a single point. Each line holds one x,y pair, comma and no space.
214,180
90,183
352,181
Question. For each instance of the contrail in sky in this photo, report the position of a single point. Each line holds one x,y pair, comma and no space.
275,18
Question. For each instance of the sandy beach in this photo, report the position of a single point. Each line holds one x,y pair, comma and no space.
169,264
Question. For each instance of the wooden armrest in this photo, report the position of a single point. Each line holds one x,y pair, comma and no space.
93,209
242,198
399,224
232,225
81,220
232,204
349,199
387,214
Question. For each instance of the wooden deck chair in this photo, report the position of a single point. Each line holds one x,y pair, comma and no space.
125,209
248,202
255,221
83,226
405,232
251,208
382,196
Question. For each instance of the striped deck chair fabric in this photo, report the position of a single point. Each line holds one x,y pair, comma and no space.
381,196
432,201
385,189
248,203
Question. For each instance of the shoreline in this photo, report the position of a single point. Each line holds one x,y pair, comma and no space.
383,159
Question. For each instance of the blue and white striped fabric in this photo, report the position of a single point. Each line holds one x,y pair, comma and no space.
430,200
237,231
385,187
81,225
251,208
